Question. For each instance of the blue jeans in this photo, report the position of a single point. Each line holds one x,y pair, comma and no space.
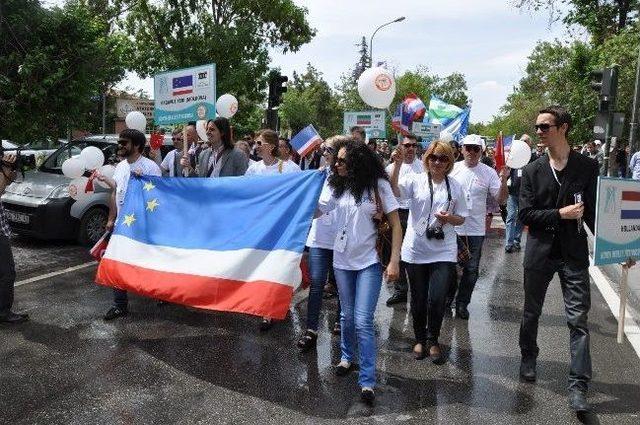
470,270
359,291
320,264
513,225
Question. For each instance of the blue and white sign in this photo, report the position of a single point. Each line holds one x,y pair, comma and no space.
185,95
617,237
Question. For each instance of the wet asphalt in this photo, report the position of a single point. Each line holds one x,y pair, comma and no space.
170,364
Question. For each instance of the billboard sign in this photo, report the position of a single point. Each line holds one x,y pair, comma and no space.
373,122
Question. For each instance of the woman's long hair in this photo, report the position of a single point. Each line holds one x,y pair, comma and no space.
363,170
225,131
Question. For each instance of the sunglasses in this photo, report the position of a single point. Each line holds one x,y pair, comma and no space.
410,145
328,149
176,139
438,158
123,142
472,148
544,127
259,143
341,161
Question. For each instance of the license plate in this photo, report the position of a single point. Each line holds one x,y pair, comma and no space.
17,217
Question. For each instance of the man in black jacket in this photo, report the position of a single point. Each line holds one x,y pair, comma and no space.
558,192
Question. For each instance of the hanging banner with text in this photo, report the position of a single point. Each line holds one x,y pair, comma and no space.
373,123
617,237
185,95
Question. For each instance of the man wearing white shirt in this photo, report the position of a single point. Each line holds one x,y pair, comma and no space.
170,165
411,165
478,181
634,166
130,146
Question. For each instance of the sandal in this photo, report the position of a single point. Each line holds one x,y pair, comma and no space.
307,341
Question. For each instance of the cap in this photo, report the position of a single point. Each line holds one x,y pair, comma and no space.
597,142
473,139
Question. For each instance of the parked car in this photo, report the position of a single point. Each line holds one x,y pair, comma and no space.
38,155
39,206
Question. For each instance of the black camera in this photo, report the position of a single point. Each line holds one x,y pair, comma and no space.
21,162
435,233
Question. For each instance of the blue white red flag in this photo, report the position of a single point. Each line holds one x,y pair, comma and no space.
183,85
231,244
411,109
306,140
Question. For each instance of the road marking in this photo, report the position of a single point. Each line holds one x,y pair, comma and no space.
631,328
57,273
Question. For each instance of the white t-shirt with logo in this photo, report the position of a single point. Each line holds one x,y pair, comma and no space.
323,229
279,167
477,183
122,174
415,167
417,249
354,222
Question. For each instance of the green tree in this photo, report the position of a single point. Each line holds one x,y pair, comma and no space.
234,34
310,100
52,62
601,18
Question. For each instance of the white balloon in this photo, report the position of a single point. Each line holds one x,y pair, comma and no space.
201,129
92,157
446,137
377,87
136,120
107,171
73,167
226,106
77,188
519,155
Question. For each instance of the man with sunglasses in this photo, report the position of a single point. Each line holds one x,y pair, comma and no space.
479,181
7,265
171,165
411,164
558,194
130,146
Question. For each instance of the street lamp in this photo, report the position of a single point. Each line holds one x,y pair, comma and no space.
400,19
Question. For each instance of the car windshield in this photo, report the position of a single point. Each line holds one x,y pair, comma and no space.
53,164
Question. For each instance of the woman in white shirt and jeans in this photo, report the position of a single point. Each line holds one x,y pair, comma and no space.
358,177
430,250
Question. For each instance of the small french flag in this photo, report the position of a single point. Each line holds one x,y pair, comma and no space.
630,205
305,141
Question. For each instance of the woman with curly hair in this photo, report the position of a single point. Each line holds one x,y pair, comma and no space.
436,204
360,191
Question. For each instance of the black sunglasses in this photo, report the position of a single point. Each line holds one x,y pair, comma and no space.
410,145
341,161
544,127
438,158
176,138
328,149
123,142
472,148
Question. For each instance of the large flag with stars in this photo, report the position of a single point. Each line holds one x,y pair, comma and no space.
227,244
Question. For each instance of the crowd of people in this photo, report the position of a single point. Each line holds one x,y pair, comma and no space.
436,205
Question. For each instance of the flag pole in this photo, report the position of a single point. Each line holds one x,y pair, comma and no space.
624,283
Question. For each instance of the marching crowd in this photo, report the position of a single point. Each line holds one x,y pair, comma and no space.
415,219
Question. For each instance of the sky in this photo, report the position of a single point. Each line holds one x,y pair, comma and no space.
486,40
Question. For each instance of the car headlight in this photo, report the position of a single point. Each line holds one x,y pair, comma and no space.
61,191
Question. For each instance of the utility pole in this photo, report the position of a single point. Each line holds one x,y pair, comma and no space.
605,82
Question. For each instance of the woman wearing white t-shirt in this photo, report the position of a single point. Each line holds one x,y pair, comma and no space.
429,250
320,243
359,176
267,143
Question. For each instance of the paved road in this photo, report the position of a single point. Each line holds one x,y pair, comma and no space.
169,364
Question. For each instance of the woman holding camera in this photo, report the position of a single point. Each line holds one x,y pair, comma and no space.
430,250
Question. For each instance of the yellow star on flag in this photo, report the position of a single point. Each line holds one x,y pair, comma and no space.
148,186
129,219
152,205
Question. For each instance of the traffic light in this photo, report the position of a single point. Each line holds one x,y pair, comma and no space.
605,82
277,87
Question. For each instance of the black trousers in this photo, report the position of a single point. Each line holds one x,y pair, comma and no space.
400,285
7,276
577,302
429,285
